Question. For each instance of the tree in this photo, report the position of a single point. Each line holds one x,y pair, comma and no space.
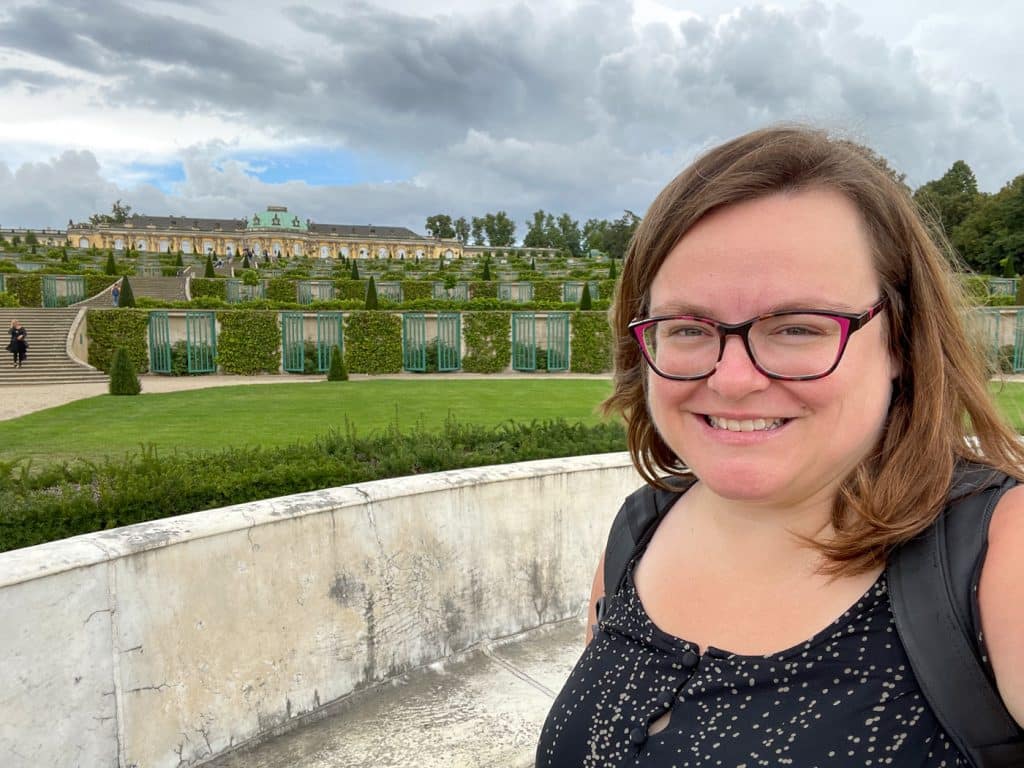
119,212
461,229
337,370
31,239
611,270
440,225
994,230
111,267
500,229
619,233
127,298
952,198
179,260
371,295
593,234
208,272
486,274
539,230
355,270
585,301
123,379
477,230
569,235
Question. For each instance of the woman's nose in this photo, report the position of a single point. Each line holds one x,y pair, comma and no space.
735,374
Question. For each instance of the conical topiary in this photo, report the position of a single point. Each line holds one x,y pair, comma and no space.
111,267
611,271
246,264
127,298
355,270
487,270
585,301
337,370
178,260
371,294
123,380
209,267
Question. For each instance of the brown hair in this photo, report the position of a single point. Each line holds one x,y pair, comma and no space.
940,396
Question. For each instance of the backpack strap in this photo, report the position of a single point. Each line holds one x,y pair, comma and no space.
633,526
931,581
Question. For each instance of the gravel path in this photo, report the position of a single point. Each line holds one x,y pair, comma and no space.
18,401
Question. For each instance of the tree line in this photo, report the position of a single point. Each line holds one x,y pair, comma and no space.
543,230
987,230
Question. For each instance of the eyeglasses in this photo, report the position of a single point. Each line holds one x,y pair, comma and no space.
799,345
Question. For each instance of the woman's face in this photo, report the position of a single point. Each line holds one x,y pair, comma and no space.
805,250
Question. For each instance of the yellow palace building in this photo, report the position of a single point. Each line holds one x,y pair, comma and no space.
274,232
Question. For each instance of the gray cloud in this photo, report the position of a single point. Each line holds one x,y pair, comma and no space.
513,107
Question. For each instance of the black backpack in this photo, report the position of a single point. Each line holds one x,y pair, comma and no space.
930,580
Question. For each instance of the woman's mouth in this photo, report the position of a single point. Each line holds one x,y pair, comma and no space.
744,425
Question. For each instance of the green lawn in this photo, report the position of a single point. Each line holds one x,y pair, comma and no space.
1010,398
279,414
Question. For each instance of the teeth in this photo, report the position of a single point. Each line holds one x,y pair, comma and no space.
746,425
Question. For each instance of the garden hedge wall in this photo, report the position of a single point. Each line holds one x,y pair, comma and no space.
249,342
488,341
591,345
109,329
373,342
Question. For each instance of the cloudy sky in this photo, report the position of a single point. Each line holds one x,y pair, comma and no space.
383,112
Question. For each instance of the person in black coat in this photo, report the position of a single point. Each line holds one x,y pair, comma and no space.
19,343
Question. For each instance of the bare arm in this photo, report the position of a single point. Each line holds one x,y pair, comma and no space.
596,593
1001,599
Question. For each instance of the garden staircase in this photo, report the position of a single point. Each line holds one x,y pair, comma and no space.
48,361
164,288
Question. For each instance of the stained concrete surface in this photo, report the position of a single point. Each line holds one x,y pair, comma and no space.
484,710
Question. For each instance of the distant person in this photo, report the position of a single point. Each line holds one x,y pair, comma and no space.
18,347
115,294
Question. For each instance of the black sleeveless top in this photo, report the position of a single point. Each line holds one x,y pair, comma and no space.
846,697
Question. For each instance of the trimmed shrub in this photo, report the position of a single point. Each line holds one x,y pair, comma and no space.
202,288
8,300
373,342
371,295
611,270
111,266
337,370
355,271
127,298
27,288
591,343
487,336
585,301
123,379
208,271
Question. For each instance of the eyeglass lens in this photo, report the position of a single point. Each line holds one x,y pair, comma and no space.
788,344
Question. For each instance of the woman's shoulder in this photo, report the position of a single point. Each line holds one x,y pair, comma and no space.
1001,599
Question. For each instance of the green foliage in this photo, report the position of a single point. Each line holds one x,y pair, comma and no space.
337,370
350,289
111,329
127,295
371,295
611,270
208,271
488,343
373,342
591,343
111,267
202,287
27,288
249,342
949,200
250,277
440,225
976,288
96,284
281,289
1004,361
586,303
1019,299
82,497
123,379
1008,267
355,271
8,300
179,260
1000,301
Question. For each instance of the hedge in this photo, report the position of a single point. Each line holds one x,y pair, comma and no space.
204,287
591,343
27,288
487,336
373,342
96,284
109,329
249,342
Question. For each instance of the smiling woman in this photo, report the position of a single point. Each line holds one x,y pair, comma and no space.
797,388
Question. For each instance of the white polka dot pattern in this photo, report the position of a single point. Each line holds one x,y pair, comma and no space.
846,697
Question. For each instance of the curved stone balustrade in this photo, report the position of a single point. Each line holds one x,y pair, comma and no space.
165,643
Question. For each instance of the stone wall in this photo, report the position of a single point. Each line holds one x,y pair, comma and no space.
166,643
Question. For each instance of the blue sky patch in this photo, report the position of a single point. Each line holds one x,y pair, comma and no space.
321,167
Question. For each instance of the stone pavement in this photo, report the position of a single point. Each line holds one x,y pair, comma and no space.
483,710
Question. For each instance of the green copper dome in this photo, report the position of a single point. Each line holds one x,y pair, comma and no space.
277,217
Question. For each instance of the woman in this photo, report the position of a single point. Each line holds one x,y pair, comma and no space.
789,333
19,344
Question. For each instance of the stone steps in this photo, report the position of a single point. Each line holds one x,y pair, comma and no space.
48,361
